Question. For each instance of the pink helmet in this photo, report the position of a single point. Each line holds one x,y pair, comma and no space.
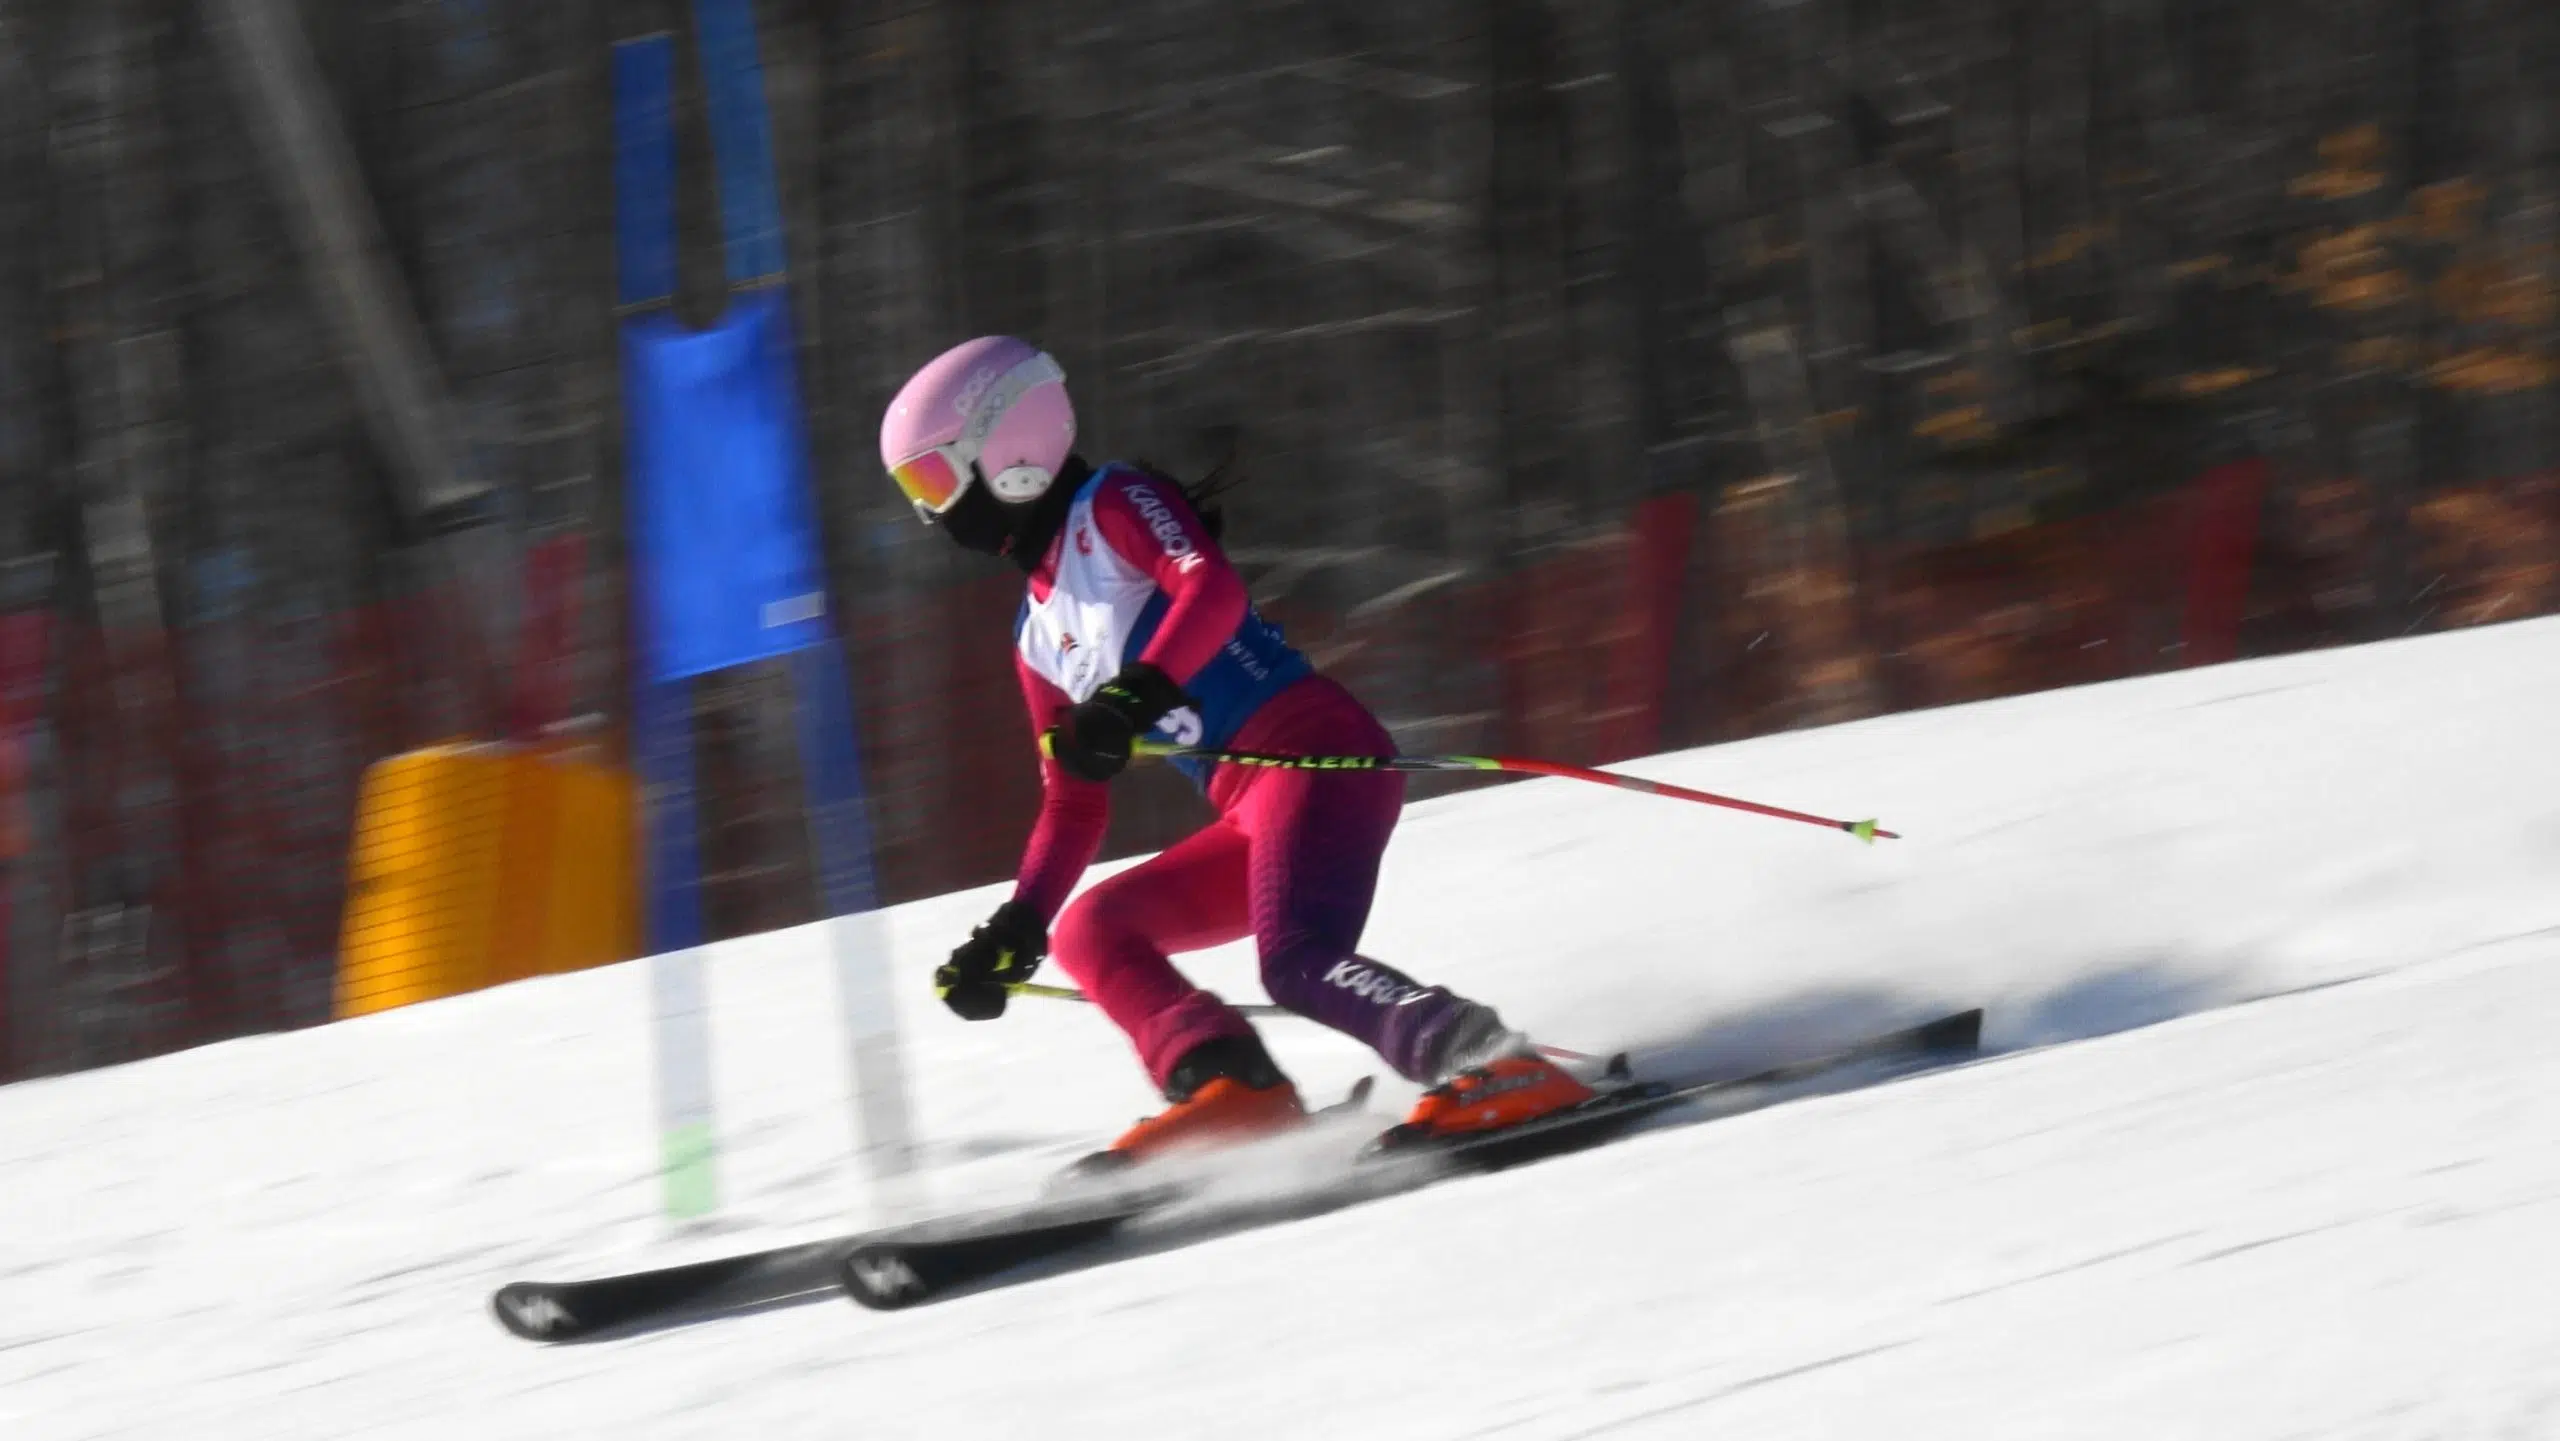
993,409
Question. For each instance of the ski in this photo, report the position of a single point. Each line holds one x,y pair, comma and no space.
751,1281
908,1265
582,1310
1931,1043
894,1271
1082,1203
898,1269
608,1306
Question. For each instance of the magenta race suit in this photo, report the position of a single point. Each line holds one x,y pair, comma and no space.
1292,859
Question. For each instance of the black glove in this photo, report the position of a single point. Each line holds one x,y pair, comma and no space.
1006,949
1093,739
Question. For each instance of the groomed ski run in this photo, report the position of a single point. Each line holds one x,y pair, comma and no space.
2270,955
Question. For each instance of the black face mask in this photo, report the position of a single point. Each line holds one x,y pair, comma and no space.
978,521
1036,523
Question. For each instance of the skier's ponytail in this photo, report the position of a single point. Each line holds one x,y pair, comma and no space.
1202,494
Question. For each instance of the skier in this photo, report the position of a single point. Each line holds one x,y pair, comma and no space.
1135,625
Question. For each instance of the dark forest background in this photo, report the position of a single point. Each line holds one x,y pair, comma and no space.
1611,375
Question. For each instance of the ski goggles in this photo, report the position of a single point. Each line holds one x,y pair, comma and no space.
935,480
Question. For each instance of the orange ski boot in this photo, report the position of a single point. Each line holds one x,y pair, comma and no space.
1500,1093
1224,1092
1492,1077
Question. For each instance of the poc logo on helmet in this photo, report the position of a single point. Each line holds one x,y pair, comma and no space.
965,404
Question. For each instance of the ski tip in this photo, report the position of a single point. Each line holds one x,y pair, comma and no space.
1092,1169
881,1277
1353,1100
534,1311
1395,1140
1959,1032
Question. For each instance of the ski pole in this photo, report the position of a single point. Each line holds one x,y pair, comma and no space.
1867,831
1046,992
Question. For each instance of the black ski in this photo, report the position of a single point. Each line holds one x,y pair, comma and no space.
907,1265
893,1271
1084,1203
1935,1042
729,1285
582,1310
897,1269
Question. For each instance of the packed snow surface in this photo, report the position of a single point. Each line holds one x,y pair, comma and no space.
2267,1142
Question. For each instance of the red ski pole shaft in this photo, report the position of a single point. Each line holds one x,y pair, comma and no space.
1867,831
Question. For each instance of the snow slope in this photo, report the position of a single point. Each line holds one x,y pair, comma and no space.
2331,1211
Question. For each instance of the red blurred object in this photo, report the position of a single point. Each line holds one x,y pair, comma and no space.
2222,507
25,638
546,652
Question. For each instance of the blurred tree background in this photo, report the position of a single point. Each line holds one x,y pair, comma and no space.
1611,375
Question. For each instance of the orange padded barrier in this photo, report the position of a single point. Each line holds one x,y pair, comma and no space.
474,865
